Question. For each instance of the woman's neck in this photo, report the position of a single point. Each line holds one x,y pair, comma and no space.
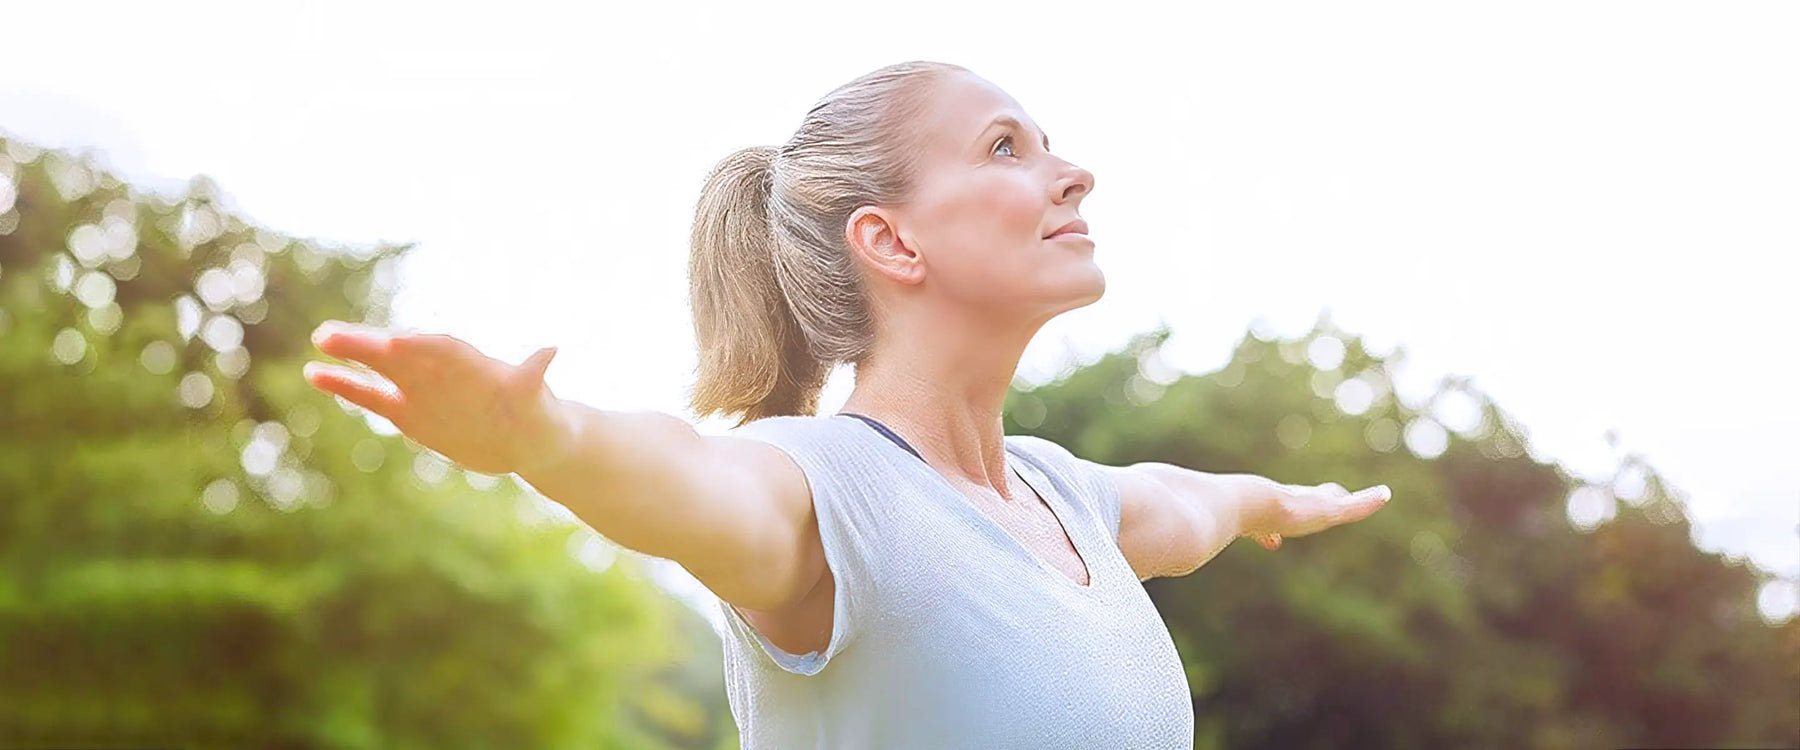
948,410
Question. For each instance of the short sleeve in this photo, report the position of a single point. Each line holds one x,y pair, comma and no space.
808,442
1091,478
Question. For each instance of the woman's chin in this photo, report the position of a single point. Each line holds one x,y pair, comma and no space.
1091,289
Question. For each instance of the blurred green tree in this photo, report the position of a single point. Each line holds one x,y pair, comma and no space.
1468,613
199,550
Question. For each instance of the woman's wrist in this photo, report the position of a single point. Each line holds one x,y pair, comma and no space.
1258,503
553,442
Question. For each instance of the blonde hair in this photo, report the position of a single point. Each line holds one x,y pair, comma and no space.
777,298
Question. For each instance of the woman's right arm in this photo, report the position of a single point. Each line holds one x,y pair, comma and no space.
735,512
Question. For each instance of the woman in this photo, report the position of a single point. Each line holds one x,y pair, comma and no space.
898,574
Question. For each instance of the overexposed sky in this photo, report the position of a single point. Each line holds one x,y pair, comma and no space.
1590,208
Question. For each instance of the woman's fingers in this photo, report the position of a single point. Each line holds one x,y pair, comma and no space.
1370,503
363,389
354,343
407,359
1311,509
1363,503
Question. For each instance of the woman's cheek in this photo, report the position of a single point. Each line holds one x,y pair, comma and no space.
1023,207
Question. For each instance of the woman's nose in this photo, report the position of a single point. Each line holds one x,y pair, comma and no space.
1074,183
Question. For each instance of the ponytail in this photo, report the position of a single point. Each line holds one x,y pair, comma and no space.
754,357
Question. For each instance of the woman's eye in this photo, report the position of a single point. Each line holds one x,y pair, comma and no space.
1005,142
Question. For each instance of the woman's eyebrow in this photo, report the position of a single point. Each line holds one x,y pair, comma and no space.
1014,122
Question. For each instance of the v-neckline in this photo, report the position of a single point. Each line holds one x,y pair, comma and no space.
1050,501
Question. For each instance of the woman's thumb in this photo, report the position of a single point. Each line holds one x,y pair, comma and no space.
539,361
1378,492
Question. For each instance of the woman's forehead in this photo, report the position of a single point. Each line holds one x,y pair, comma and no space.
963,107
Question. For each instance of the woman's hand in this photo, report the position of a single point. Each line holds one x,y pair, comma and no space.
480,412
1285,510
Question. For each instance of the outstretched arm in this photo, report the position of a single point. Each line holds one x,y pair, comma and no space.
1173,519
736,512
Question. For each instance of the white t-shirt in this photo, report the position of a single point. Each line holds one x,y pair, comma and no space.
947,632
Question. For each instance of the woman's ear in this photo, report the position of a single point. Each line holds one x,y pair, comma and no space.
872,234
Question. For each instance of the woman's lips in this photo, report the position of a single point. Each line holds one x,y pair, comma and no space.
1077,226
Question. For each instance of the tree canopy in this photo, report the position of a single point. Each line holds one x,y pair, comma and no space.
200,550
1469,612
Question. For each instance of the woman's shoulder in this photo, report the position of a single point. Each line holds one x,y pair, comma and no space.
1086,479
787,425
1042,450
830,439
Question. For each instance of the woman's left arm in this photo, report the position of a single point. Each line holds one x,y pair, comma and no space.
1173,519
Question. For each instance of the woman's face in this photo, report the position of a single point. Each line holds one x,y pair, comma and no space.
988,195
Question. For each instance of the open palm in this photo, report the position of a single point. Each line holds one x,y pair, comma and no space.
482,413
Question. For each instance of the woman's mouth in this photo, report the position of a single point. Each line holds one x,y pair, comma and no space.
1076,228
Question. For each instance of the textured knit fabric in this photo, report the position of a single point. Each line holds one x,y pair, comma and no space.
947,632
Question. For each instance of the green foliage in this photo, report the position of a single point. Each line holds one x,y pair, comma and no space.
197,549
1467,613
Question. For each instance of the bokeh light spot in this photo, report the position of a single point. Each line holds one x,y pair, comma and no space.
1325,382
187,316
158,357
232,363
62,274
260,457
88,244
368,454
1325,352
430,468
1457,410
1426,439
285,486
246,281
222,333
1029,412
1589,506
106,319
214,288
220,496
479,481
1630,484
1294,431
1155,367
303,420
591,550
69,346
95,289
196,390
1353,396
320,491
1778,601
1142,391
1382,435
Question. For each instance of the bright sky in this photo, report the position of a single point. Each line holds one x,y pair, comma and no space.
1587,207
